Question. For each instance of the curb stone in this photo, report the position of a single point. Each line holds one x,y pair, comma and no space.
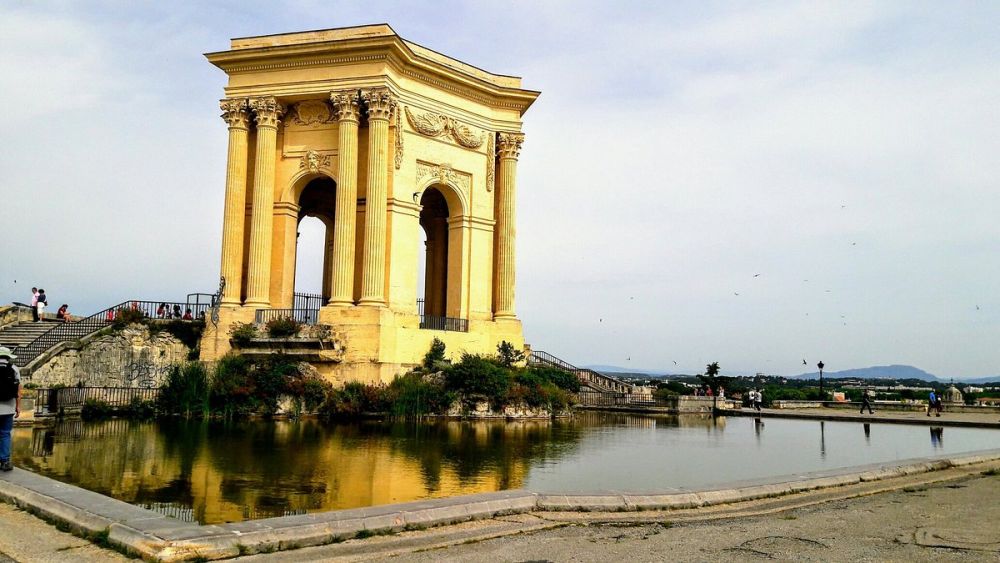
155,537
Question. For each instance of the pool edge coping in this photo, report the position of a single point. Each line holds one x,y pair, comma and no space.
153,536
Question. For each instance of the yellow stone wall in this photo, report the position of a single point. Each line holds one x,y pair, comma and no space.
420,120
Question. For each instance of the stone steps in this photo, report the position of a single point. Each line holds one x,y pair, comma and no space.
22,333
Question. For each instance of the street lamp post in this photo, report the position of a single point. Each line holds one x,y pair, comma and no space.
820,366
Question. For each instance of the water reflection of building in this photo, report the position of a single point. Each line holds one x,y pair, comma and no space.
229,472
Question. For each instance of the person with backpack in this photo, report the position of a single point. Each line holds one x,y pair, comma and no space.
866,401
10,403
40,305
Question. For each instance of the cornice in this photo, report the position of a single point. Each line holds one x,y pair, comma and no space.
393,50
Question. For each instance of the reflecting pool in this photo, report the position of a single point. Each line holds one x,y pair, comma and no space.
222,472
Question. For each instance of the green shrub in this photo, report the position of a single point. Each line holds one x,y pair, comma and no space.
560,378
435,355
414,395
241,334
95,409
189,333
536,390
231,392
138,409
356,398
507,355
282,327
664,393
312,392
126,316
478,375
186,391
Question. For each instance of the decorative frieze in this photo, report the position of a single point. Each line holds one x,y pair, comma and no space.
444,174
398,157
311,112
313,161
432,124
491,162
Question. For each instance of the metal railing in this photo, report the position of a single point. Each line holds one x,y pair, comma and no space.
304,316
311,301
605,399
596,380
70,331
53,401
430,322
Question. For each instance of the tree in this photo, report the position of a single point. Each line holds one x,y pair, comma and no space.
435,355
713,379
508,355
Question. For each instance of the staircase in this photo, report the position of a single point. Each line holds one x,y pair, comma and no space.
588,377
22,333
49,335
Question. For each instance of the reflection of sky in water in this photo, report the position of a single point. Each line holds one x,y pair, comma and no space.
665,455
213,472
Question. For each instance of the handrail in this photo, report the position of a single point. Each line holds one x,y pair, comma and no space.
304,316
69,331
433,322
586,376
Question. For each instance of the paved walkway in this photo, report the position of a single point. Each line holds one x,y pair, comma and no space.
981,420
948,515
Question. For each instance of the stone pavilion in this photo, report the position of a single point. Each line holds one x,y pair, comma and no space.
406,156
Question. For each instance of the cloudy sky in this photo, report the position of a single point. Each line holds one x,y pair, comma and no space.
748,183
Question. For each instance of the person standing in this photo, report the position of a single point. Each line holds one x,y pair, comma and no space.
40,305
34,304
10,403
931,402
866,401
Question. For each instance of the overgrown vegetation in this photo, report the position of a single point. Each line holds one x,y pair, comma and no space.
242,334
438,386
282,327
96,409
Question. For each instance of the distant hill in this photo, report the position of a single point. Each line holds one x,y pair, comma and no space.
891,372
618,370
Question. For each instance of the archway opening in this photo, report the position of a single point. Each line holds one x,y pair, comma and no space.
434,261
314,244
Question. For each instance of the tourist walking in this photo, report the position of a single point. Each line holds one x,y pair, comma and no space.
10,403
760,399
34,304
40,305
866,401
933,402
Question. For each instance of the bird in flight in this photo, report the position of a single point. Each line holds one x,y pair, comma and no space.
756,275
977,306
675,363
804,362
734,293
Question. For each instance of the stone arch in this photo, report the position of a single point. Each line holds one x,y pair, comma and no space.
299,181
458,205
443,210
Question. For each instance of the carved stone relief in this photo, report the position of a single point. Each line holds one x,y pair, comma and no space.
432,124
312,112
444,174
313,161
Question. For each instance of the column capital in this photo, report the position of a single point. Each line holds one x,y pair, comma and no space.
345,105
235,111
509,144
381,103
267,111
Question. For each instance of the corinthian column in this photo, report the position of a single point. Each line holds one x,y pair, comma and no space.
267,112
234,111
381,104
345,210
508,148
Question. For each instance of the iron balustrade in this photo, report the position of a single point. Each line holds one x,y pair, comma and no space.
311,301
430,322
304,316
588,377
605,399
75,330
55,400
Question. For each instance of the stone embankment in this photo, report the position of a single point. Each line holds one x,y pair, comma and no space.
154,536
130,357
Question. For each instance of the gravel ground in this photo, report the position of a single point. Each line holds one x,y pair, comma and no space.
955,521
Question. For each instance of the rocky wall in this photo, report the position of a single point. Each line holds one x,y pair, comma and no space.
131,357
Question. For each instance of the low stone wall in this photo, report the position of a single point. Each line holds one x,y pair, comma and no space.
10,314
131,357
